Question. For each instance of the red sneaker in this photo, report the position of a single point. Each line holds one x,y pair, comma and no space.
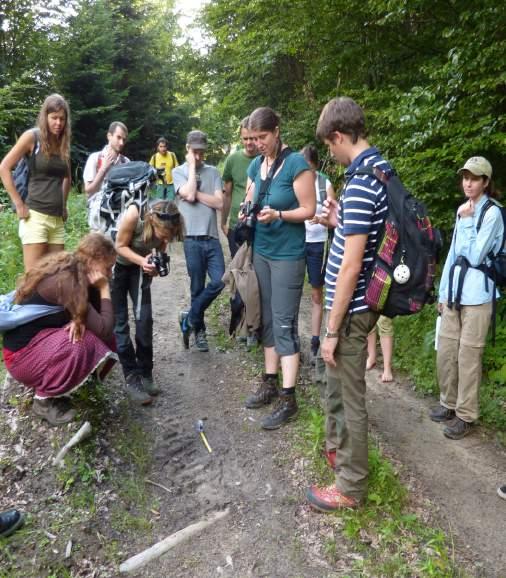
329,499
330,456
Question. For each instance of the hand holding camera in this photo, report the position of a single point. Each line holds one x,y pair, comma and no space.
160,261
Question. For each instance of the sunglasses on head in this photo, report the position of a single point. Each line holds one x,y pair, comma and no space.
173,217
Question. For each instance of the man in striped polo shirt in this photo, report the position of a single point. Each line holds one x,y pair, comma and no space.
357,218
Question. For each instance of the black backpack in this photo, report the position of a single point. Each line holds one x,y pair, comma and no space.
400,280
497,269
21,172
125,184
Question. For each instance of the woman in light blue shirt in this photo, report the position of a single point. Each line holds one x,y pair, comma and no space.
465,300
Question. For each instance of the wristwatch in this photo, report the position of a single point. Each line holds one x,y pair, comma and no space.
331,334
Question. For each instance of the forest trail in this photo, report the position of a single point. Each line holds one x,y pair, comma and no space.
260,476
270,530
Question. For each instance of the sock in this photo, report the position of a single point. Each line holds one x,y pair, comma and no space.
271,376
289,391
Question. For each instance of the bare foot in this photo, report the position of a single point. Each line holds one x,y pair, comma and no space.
387,376
370,364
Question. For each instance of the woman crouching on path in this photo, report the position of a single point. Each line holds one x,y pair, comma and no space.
465,300
281,188
42,214
139,234
56,353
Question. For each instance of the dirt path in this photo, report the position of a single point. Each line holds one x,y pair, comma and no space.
247,472
460,477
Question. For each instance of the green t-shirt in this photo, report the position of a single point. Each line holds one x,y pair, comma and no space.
280,240
236,171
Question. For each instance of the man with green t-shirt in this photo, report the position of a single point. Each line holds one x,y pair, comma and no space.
234,178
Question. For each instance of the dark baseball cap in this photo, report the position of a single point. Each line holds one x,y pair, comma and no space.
197,139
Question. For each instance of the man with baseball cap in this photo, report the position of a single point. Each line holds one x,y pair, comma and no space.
199,196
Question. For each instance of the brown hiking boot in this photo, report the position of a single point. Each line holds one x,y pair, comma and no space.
55,411
285,409
264,394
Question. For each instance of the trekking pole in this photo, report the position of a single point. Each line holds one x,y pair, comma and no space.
199,426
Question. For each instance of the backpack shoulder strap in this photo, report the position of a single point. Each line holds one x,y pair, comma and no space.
488,203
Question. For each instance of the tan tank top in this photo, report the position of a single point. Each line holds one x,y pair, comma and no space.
45,191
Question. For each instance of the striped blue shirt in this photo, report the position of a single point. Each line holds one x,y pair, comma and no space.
362,211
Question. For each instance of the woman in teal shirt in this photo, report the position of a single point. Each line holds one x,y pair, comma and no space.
281,188
466,313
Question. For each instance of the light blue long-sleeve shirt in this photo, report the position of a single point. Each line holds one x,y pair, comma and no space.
474,246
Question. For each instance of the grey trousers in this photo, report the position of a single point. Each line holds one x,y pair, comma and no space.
280,284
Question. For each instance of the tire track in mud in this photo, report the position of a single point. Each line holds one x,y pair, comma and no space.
242,472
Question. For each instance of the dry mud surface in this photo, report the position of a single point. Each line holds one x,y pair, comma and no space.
269,531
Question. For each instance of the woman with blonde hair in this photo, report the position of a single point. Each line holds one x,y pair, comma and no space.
42,214
55,354
141,243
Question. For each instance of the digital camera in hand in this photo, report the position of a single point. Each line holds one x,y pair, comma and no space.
250,210
161,261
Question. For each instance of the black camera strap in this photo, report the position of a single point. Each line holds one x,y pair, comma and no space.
265,185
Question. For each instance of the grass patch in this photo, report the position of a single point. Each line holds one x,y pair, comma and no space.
390,539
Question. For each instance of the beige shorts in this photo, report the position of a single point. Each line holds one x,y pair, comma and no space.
41,228
385,326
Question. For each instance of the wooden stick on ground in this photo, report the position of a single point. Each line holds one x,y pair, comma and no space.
166,544
157,485
79,436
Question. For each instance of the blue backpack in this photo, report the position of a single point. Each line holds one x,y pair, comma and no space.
13,315
21,172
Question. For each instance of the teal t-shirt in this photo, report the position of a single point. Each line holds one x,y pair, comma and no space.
280,240
236,171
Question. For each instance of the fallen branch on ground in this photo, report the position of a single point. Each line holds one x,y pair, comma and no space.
81,434
166,544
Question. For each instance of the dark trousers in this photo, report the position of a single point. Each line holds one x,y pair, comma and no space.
203,257
128,280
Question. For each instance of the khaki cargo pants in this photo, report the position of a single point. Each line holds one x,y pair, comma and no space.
461,343
345,405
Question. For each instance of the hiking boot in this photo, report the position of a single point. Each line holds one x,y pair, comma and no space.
457,429
441,413
10,521
329,499
200,342
501,492
54,410
135,389
184,324
149,385
285,410
264,394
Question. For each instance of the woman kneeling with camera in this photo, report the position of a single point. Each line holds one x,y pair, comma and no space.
140,243
56,353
